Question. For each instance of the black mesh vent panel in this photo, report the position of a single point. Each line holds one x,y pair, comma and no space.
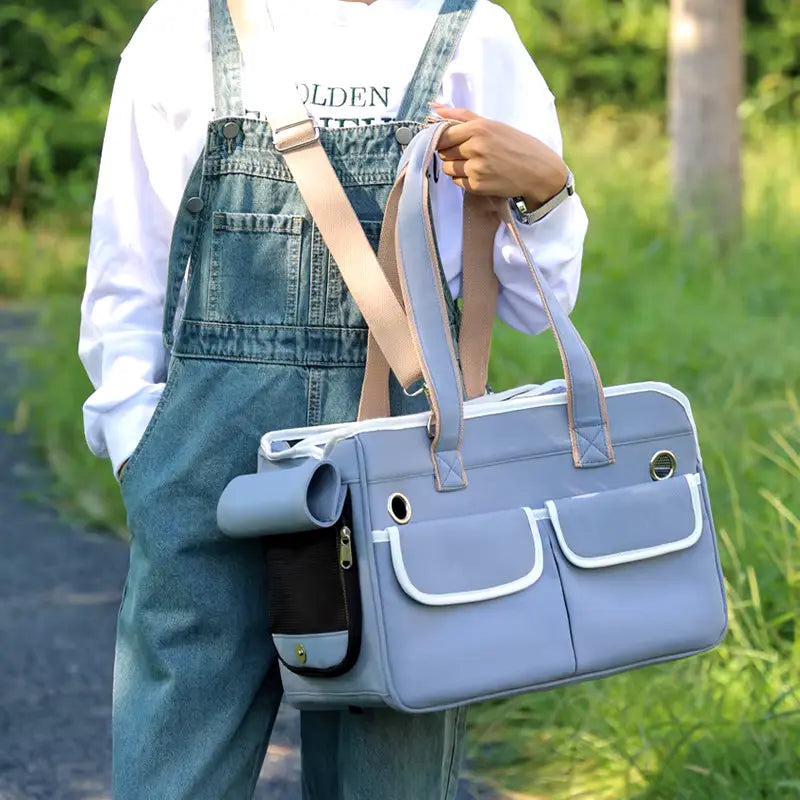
306,586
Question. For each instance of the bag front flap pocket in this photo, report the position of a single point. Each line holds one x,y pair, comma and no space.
468,559
606,529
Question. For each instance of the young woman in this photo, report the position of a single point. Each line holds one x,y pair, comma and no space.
198,229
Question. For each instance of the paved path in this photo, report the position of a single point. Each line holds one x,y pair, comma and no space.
60,588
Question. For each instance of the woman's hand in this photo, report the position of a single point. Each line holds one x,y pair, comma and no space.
491,158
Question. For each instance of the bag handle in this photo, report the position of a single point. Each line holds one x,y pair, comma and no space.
296,137
479,290
418,265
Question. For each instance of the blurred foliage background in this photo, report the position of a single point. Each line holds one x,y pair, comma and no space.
57,60
57,64
723,328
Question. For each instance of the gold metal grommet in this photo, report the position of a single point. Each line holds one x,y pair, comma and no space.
663,465
301,654
400,508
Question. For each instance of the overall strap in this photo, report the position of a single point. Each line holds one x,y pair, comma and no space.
436,57
183,238
227,62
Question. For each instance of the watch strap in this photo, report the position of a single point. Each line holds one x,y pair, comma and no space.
520,207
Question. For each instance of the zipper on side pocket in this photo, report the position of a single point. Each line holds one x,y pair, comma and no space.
345,548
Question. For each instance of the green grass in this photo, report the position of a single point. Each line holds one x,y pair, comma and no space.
727,332
722,329
45,266
45,260
50,407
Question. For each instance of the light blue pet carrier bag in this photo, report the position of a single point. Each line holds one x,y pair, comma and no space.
506,544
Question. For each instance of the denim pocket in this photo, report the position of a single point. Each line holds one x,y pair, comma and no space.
130,464
255,268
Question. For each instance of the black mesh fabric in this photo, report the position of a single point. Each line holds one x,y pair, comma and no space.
306,585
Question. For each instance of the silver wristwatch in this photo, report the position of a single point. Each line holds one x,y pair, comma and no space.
520,207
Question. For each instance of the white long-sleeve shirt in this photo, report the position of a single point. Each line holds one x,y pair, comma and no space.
357,61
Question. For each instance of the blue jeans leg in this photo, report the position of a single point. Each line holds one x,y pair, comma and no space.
381,753
196,684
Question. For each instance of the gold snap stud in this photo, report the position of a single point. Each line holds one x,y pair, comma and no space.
300,652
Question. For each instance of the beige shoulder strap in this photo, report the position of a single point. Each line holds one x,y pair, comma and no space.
297,138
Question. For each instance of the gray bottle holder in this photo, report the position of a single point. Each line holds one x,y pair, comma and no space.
299,508
284,497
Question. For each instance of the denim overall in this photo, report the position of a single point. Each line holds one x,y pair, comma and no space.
265,336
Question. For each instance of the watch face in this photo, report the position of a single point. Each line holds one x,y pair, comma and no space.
520,205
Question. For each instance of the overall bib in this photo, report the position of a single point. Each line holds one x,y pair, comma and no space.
265,336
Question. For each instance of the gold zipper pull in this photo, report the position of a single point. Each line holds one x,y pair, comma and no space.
345,548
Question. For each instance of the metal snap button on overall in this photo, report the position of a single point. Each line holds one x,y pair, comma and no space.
194,205
403,135
230,130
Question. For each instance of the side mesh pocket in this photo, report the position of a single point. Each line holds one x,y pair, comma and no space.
314,599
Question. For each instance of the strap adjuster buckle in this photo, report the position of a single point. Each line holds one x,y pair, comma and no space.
276,134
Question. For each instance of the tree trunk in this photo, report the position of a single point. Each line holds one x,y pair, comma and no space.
705,89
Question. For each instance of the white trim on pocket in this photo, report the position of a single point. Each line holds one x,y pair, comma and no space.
382,536
392,535
627,556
